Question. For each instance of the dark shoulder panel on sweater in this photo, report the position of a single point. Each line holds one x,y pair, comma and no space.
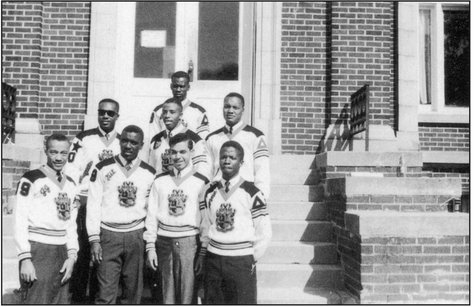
148,167
89,132
196,106
158,137
70,179
105,162
34,175
250,188
214,133
162,175
253,130
158,107
202,177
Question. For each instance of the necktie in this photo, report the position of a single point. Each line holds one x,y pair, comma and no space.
59,176
107,136
128,166
227,183
178,176
230,130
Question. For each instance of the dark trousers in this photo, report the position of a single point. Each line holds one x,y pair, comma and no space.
84,283
47,289
230,280
122,261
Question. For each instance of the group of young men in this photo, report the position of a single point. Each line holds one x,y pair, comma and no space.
196,208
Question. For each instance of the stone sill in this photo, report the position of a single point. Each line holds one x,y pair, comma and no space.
394,186
449,116
351,158
446,157
406,224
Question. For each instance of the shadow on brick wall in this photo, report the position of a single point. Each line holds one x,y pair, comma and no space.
336,136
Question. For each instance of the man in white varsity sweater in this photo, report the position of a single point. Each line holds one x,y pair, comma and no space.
256,165
172,223
194,116
235,232
116,210
159,156
45,227
89,148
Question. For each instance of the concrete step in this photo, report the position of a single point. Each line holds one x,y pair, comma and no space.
301,276
8,247
290,252
291,161
297,296
10,273
296,193
302,211
308,231
7,224
8,293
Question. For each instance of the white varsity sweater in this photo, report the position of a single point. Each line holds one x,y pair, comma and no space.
118,197
45,211
194,118
160,149
235,223
173,207
256,166
89,148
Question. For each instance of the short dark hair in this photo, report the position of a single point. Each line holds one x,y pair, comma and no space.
133,128
235,145
55,137
234,94
181,137
174,100
111,101
180,74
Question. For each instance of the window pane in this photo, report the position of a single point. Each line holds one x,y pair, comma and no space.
218,52
456,57
425,56
155,32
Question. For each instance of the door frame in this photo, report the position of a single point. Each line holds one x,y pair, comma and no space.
260,82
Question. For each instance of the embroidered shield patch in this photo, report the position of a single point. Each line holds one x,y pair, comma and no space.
177,202
63,205
225,218
105,154
127,194
45,190
166,160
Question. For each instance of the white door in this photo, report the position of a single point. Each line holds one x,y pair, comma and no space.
156,39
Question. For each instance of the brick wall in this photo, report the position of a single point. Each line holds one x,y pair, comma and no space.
450,171
45,54
304,69
444,138
330,50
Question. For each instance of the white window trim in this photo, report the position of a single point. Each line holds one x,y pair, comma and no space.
437,111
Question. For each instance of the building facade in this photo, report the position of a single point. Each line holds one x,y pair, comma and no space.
297,64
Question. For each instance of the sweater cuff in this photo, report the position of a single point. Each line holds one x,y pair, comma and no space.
94,238
203,251
23,256
150,246
72,253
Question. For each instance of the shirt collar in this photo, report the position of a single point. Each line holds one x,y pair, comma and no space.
235,127
111,133
185,171
179,128
124,162
186,102
48,169
232,182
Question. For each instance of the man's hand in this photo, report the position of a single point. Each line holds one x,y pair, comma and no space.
96,252
67,270
27,271
152,260
199,267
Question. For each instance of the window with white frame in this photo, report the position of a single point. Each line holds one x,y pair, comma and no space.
444,50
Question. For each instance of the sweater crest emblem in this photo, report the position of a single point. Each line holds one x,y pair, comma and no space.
177,202
127,194
225,217
45,190
166,160
63,206
105,154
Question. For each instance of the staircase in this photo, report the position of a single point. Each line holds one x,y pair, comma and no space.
301,265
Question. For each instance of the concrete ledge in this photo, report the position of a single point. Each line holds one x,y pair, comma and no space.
21,153
400,224
350,158
394,186
459,116
446,157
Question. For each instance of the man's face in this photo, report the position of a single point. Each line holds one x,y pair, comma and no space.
181,155
130,145
108,115
233,110
180,88
171,115
56,153
230,162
